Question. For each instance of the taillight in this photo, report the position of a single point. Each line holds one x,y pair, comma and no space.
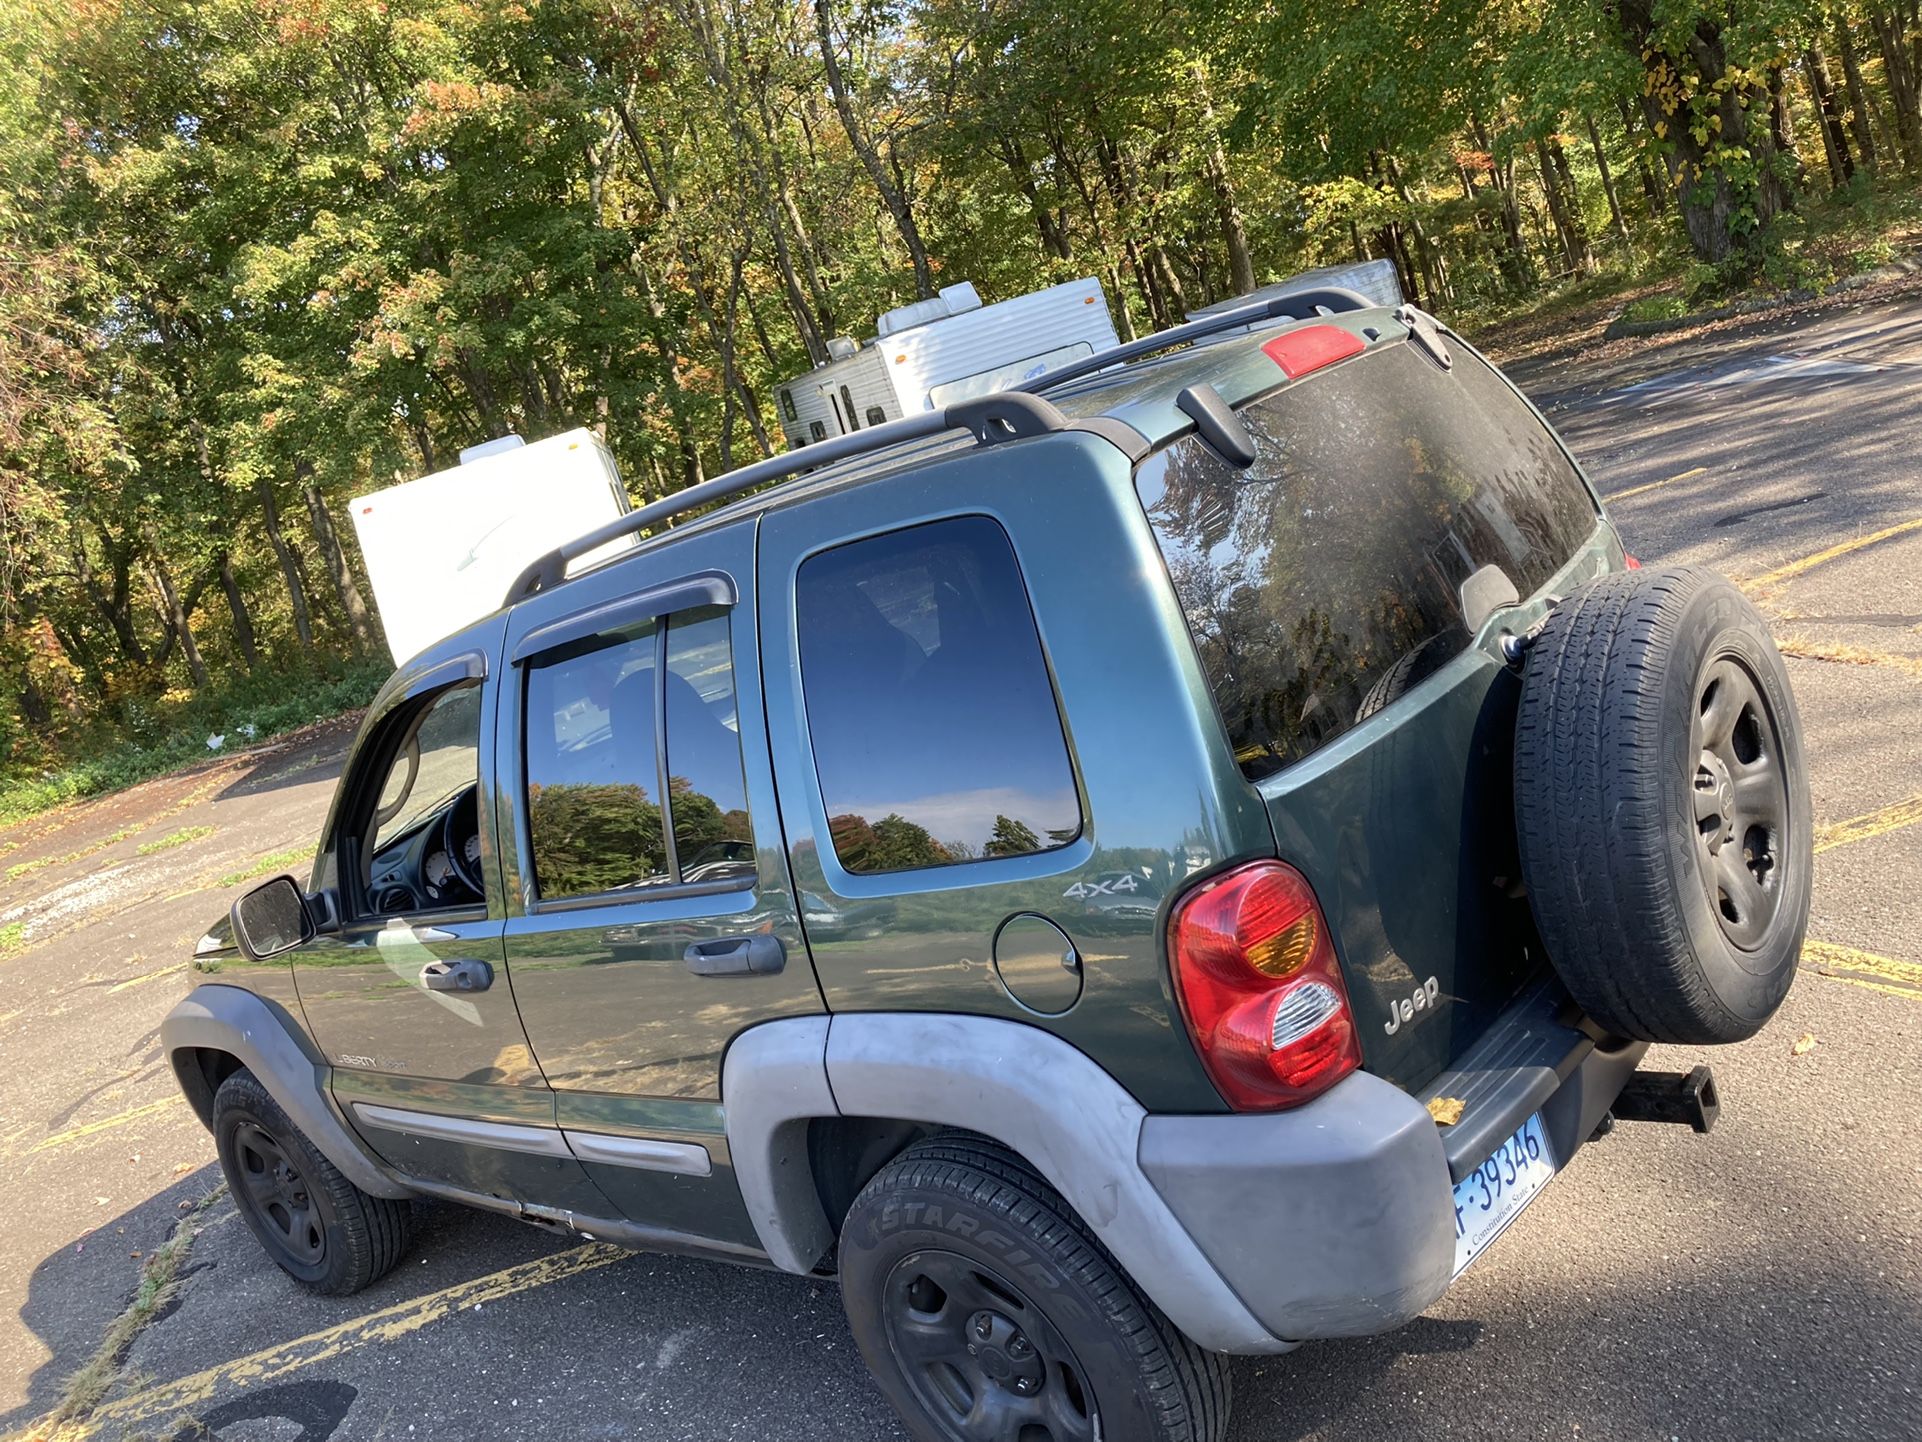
1255,974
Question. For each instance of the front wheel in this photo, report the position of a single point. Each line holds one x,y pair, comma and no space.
322,1230
988,1314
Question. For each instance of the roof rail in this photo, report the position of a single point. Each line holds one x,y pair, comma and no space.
1002,416
1299,305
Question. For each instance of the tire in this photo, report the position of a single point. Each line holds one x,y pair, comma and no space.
985,1309
322,1230
1662,807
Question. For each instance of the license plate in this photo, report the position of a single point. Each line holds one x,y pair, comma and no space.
1493,1195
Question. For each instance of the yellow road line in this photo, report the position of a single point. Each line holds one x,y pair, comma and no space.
386,1325
1808,563
1879,822
150,976
60,1139
1883,973
1652,486
1807,650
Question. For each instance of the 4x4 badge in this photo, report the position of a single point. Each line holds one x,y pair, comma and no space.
1403,1009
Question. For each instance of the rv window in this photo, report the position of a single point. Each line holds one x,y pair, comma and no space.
935,734
1013,373
847,408
787,404
817,431
876,416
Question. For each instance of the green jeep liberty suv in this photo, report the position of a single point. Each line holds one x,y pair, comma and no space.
1037,863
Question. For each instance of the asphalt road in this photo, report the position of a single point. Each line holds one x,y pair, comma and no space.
1763,1282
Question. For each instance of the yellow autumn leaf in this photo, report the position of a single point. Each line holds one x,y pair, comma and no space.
1803,1045
1661,130
1446,1110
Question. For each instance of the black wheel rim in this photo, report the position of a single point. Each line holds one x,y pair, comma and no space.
1739,792
277,1196
983,1361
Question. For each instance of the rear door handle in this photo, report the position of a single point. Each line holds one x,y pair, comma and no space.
758,955
457,976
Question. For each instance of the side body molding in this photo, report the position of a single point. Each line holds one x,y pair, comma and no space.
1025,1088
233,1020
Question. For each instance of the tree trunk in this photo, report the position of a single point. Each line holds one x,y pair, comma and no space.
289,564
1053,238
892,196
1902,89
1608,181
1514,261
1234,234
1651,187
1782,134
179,628
1835,139
1720,214
1860,120
359,620
1428,256
237,608
1563,206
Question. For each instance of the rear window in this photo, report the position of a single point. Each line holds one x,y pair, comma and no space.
1325,579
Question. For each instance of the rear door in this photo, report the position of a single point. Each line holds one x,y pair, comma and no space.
1332,591
650,918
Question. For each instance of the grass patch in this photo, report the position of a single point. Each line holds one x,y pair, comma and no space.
276,861
178,838
150,737
86,1387
13,939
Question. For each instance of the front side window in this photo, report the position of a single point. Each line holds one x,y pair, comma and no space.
936,736
417,845
602,732
1325,579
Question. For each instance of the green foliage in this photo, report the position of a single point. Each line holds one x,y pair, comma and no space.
173,839
258,257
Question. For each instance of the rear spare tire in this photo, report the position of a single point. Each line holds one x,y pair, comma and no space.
1662,807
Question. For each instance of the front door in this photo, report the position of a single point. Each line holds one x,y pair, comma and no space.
650,918
408,994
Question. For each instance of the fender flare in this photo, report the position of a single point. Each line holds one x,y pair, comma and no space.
1029,1090
233,1020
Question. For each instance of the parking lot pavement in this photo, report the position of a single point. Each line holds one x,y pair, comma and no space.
1765,1281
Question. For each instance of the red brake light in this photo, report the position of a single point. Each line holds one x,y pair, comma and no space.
1312,347
1256,978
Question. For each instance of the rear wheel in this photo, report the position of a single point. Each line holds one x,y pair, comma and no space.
1663,807
988,1314
320,1228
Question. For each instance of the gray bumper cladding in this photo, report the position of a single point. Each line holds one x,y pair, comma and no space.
1329,1221
228,1019
1250,1232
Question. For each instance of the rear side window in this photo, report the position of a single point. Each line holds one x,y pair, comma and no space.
936,737
1325,580
606,722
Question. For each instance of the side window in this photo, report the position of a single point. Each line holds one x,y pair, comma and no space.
877,416
600,816
422,838
787,404
817,431
936,738
847,401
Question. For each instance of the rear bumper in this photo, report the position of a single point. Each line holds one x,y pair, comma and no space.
1336,1219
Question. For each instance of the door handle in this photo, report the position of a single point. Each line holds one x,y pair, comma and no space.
758,955
457,976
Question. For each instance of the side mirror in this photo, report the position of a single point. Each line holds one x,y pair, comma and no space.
272,918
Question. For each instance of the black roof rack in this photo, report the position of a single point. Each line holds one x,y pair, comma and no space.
1002,416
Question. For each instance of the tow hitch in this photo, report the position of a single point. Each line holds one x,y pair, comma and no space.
1685,1098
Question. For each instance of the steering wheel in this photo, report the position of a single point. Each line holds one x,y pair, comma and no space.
459,832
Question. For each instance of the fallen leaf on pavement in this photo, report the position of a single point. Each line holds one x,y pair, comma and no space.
1804,1044
1446,1110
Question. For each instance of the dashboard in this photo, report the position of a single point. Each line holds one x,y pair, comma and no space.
433,866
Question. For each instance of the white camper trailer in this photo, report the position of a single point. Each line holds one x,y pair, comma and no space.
442,551
942,350
1375,279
